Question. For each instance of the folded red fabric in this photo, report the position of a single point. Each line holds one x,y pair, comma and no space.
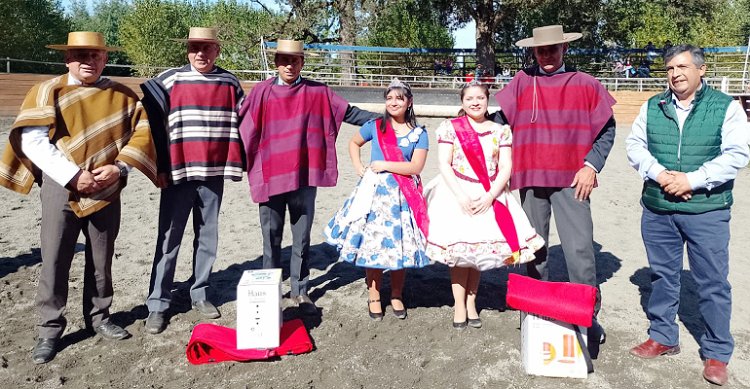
210,343
564,301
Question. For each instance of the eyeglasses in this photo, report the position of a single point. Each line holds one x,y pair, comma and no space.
682,68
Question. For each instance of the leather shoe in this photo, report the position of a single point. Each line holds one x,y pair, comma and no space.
156,322
45,350
112,331
205,308
715,372
306,305
651,349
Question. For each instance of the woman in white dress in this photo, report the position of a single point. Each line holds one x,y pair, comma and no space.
475,223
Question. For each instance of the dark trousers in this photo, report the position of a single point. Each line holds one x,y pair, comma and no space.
59,234
574,227
301,204
706,235
203,199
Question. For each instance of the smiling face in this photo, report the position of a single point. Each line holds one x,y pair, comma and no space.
289,66
683,76
202,55
550,58
396,104
86,65
474,102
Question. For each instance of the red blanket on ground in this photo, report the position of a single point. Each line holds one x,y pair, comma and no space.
210,343
564,301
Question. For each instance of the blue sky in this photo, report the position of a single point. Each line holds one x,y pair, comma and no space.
464,38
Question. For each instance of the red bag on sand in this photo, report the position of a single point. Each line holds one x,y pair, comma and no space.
210,343
564,301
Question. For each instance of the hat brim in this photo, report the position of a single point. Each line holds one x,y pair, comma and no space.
295,53
83,47
567,37
197,40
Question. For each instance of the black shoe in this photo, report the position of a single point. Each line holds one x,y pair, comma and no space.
460,325
206,309
377,316
399,313
306,305
45,350
112,331
474,323
595,337
156,322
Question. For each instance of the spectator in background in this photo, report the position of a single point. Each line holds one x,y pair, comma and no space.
438,67
667,45
651,53
448,66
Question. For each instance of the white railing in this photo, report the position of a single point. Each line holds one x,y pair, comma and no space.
728,85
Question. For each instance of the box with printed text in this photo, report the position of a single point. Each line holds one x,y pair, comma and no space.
550,347
259,309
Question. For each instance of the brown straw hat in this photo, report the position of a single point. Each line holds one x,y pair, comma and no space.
201,34
548,35
84,40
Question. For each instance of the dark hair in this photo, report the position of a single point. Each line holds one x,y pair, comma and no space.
405,91
472,84
696,52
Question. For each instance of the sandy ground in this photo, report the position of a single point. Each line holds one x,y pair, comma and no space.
423,351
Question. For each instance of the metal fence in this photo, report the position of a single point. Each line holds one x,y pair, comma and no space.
728,85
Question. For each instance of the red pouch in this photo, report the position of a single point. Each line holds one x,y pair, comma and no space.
564,301
210,343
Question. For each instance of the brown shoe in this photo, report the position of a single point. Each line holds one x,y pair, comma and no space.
651,349
715,372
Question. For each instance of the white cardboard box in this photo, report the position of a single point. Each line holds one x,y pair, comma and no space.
550,348
259,309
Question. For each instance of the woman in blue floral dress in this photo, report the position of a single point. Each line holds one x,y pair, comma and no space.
383,224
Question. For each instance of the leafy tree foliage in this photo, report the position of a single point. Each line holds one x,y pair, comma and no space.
27,26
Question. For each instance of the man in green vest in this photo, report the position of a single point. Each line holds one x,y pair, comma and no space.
688,144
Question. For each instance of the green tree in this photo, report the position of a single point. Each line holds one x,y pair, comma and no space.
409,24
29,25
146,31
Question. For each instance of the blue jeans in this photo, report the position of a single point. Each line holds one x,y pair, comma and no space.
707,237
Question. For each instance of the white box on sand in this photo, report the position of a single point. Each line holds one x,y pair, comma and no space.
550,347
259,309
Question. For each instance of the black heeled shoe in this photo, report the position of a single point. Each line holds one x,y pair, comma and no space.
460,325
376,316
399,313
475,323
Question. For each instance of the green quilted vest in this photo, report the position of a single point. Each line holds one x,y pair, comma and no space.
699,142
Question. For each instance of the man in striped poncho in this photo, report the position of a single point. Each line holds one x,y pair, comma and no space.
194,123
78,136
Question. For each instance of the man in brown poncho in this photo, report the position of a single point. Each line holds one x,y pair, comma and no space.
78,136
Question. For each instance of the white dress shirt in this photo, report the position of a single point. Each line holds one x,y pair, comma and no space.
735,134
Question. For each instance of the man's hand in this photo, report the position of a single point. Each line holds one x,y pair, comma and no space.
106,175
162,180
679,186
584,182
664,178
85,183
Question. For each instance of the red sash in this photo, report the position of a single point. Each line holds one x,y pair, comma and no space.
411,188
469,141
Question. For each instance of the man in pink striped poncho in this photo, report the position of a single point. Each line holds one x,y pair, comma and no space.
563,129
289,128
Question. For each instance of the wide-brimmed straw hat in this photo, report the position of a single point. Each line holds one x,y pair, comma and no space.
84,40
289,47
201,35
549,35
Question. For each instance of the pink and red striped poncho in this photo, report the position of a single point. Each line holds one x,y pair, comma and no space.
552,136
289,134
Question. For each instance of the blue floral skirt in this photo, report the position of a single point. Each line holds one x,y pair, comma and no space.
376,228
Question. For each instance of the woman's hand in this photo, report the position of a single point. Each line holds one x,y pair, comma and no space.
466,203
482,204
379,166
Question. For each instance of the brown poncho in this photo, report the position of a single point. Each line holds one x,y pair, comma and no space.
92,125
